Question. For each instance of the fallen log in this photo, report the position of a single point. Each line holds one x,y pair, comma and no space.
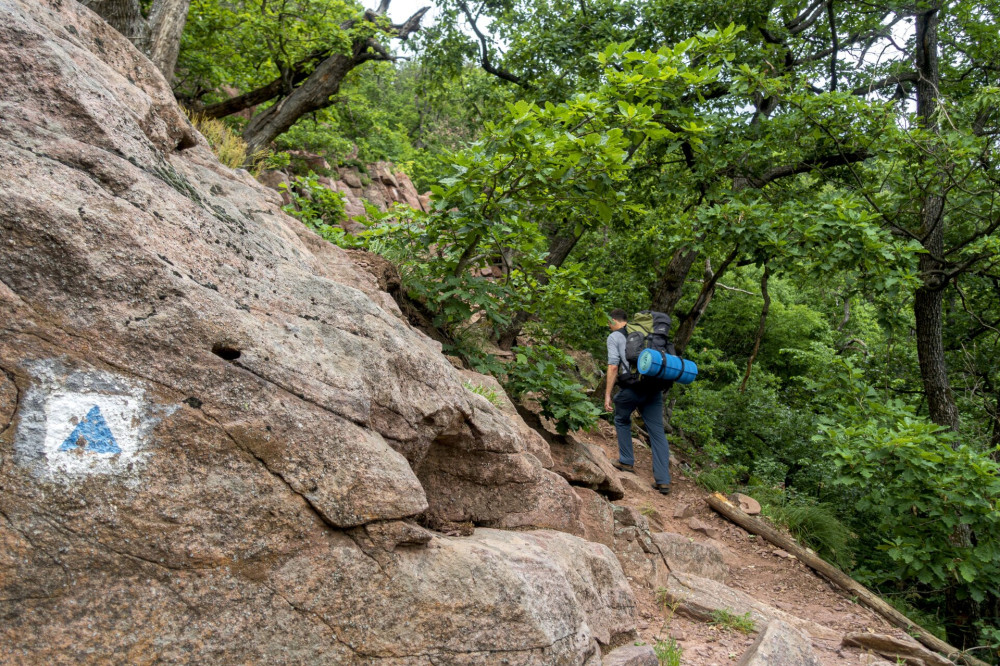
720,504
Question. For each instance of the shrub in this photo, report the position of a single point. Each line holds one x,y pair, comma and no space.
320,208
722,479
545,371
937,505
817,526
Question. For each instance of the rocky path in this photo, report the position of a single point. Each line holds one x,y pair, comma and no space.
754,568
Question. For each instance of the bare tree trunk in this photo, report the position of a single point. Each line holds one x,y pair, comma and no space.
125,16
166,23
760,328
159,37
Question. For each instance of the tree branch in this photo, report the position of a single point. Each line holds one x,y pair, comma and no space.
825,161
485,53
301,70
892,80
804,18
760,328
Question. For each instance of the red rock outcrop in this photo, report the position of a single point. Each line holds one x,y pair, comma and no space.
219,440
381,187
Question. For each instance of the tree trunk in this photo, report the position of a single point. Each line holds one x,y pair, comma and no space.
927,304
559,249
318,88
159,37
760,328
125,16
166,23
671,285
686,328
314,94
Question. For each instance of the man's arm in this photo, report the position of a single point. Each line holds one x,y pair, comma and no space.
612,376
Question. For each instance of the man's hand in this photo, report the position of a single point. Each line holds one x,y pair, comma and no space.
612,376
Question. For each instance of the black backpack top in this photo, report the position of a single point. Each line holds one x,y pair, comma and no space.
646,330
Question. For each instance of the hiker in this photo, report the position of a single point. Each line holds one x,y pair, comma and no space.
646,397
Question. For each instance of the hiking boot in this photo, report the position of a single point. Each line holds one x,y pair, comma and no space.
663,488
623,467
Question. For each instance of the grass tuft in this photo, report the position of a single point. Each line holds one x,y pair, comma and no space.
728,620
817,526
227,145
487,393
668,652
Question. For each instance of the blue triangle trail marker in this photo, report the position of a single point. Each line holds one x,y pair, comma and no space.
94,432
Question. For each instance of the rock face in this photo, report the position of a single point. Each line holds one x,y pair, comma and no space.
780,644
631,655
683,555
217,435
697,597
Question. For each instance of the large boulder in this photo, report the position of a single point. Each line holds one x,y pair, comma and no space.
583,464
217,434
684,555
780,644
636,550
699,597
598,516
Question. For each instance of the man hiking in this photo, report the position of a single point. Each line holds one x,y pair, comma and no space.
647,399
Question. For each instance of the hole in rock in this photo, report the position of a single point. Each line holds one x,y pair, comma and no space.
226,352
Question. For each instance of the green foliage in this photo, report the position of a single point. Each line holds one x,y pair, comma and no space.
668,652
486,392
817,526
543,370
246,44
929,493
318,207
722,479
726,619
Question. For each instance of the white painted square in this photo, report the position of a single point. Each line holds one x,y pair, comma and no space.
64,410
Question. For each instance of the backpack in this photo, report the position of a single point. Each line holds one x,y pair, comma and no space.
646,330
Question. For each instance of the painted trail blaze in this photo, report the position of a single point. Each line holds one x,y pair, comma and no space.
92,434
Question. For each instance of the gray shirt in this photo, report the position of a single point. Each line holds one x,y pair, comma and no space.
616,350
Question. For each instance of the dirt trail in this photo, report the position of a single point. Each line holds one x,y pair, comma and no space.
754,568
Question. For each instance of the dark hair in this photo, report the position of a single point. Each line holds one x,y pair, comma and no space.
618,315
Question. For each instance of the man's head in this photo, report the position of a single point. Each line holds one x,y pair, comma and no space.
617,319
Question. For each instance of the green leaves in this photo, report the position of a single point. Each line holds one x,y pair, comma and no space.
928,495
318,207
543,371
